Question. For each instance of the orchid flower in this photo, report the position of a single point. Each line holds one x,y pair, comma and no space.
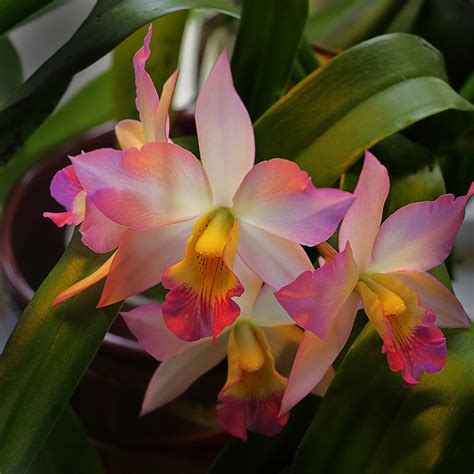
385,267
260,340
99,232
190,219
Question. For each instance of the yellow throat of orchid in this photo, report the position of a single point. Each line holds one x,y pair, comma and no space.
388,299
252,373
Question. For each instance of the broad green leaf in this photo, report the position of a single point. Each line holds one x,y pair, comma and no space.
261,454
362,96
67,450
349,22
46,356
404,20
165,44
109,23
369,422
14,11
269,35
90,107
11,75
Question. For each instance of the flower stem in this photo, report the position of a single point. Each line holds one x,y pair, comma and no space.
327,251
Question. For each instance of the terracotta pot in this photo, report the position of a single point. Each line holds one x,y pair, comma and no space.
181,437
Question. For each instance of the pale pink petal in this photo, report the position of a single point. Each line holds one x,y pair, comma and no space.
275,260
419,236
147,325
437,298
99,232
159,185
147,98
225,133
61,218
268,311
162,119
175,375
85,283
362,221
323,385
251,283
130,134
315,356
141,260
314,298
277,196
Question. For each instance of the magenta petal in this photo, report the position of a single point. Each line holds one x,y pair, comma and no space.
315,356
278,197
314,298
159,185
419,236
424,350
362,221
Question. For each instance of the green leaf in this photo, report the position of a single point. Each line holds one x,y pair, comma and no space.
269,29
404,20
109,23
369,422
10,65
165,44
67,450
13,11
46,356
260,454
349,22
90,107
364,95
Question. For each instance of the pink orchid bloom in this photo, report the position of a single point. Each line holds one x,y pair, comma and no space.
385,267
99,232
190,219
260,346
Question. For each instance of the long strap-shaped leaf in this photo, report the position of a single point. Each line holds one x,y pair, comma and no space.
362,96
370,423
46,356
270,32
109,23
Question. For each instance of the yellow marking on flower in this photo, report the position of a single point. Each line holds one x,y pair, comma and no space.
387,299
202,284
251,365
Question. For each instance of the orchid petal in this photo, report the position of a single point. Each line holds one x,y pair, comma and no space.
252,284
323,385
130,134
161,185
162,119
315,356
147,325
147,98
99,232
175,375
275,260
436,297
141,259
68,191
277,196
419,236
362,221
314,298
85,283
268,311
225,133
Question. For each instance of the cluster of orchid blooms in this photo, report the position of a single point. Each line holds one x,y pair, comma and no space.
225,237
